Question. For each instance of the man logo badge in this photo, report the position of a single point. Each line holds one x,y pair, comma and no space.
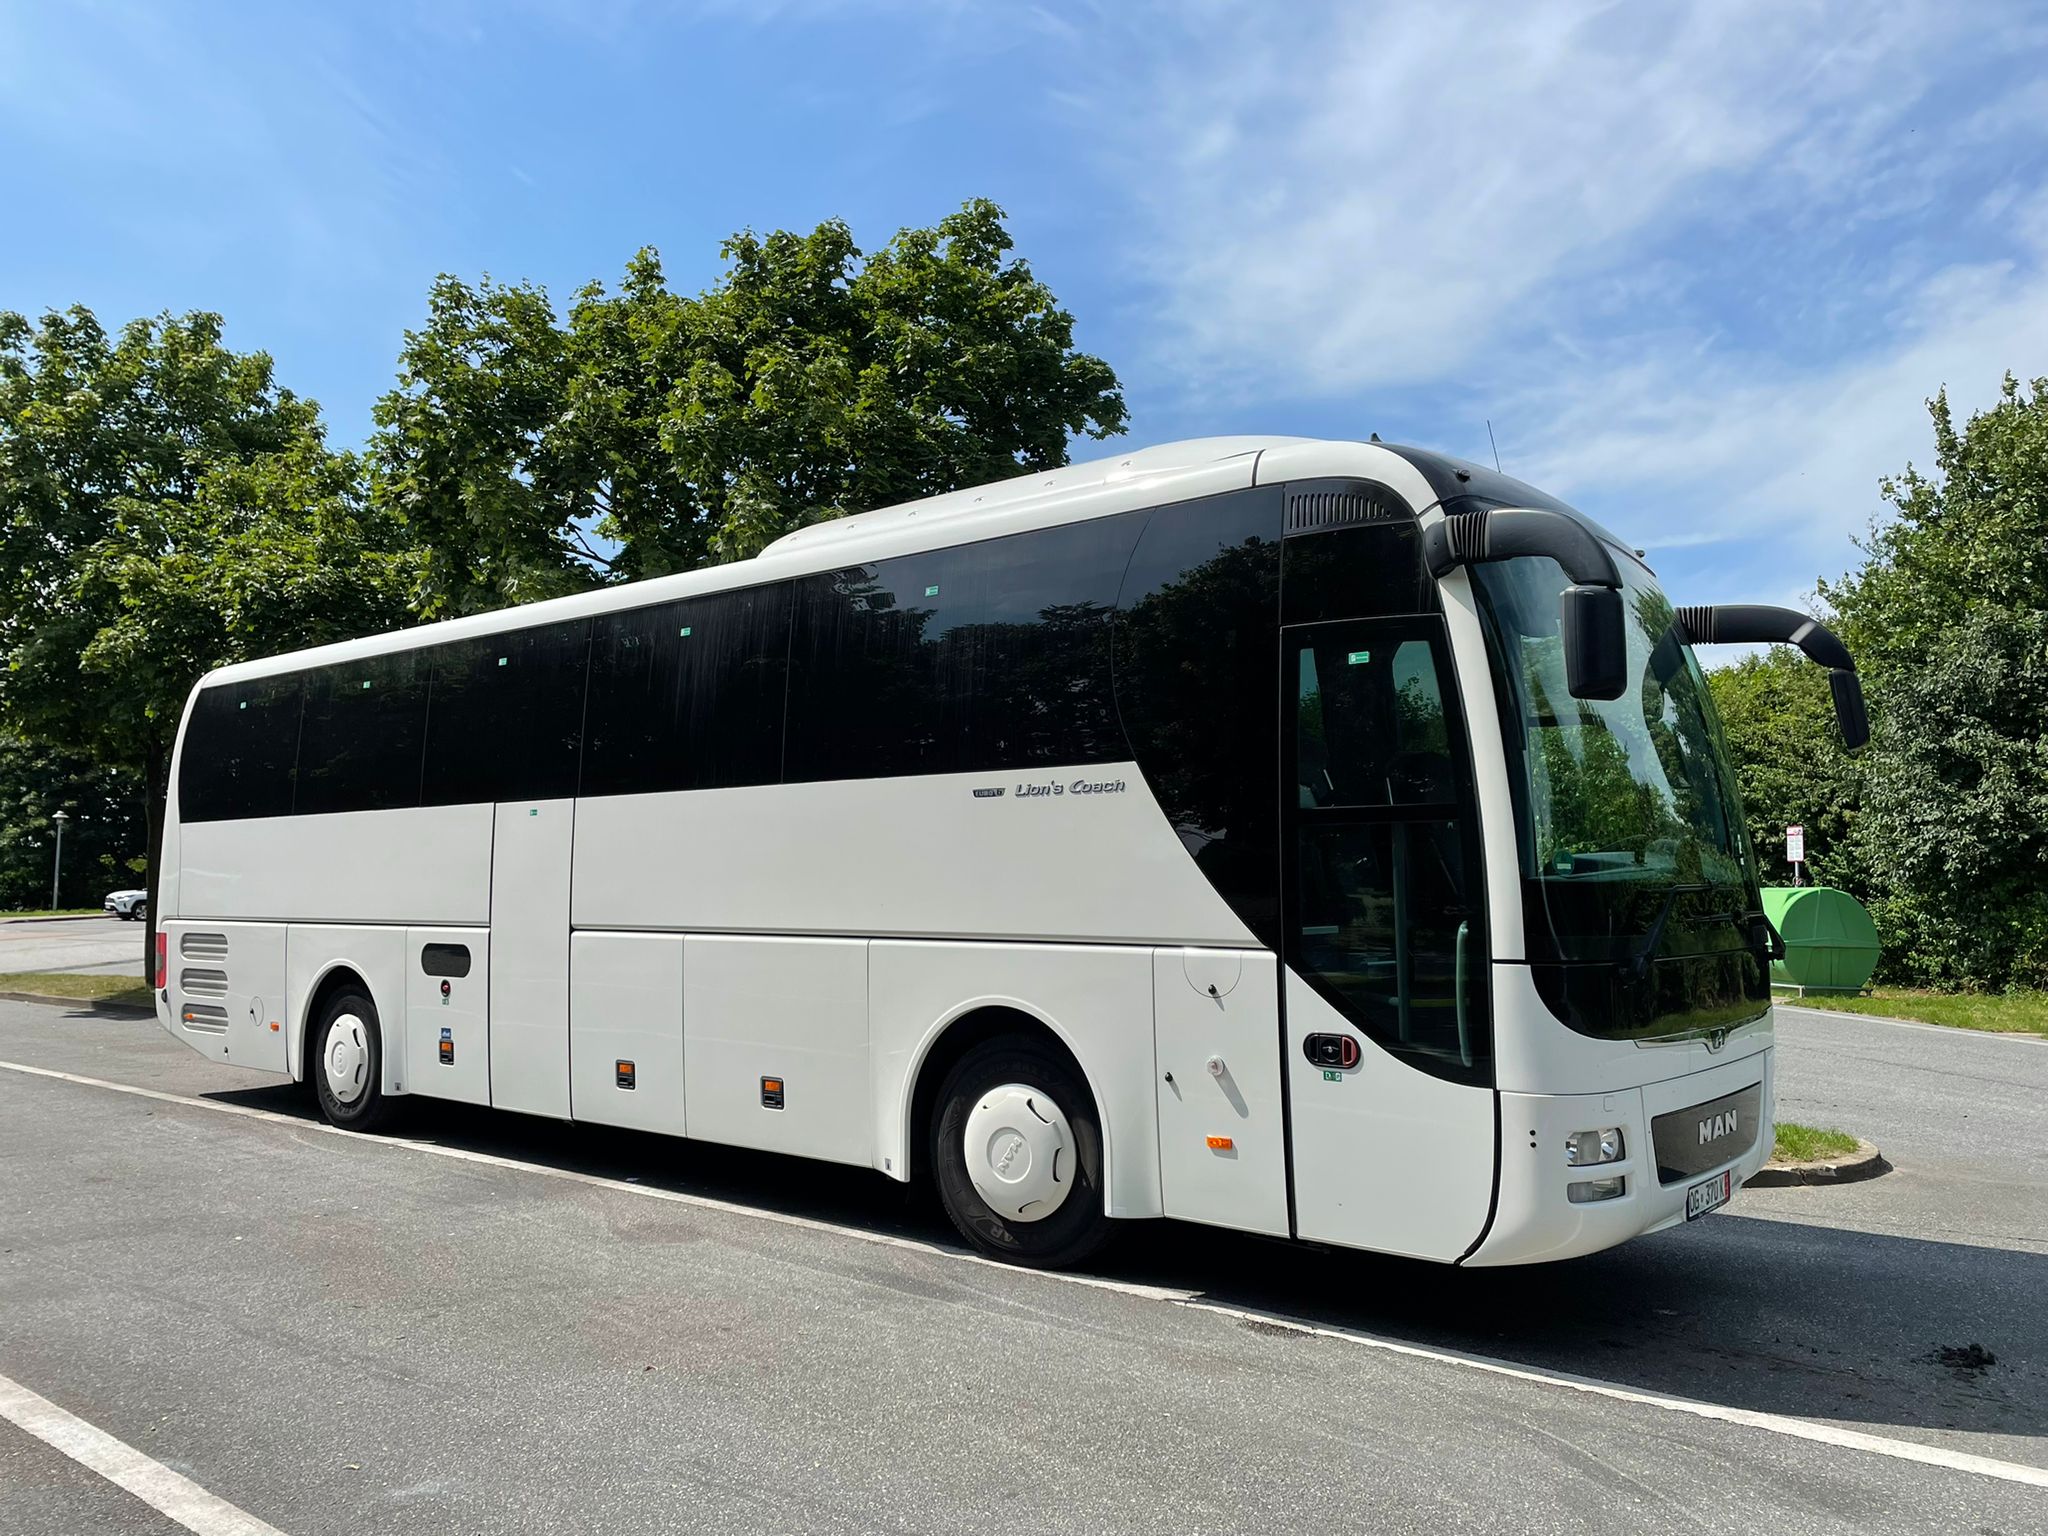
987,794
1714,1127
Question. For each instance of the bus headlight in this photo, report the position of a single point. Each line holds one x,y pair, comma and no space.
1583,1149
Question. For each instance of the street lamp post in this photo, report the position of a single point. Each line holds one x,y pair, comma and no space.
57,867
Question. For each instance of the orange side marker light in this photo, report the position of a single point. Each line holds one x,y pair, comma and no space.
1221,1144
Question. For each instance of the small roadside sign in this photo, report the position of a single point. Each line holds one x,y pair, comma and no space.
1795,845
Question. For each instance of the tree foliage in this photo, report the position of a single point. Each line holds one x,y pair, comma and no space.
649,432
103,838
1779,720
1942,825
165,508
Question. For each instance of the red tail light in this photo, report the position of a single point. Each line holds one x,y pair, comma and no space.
163,958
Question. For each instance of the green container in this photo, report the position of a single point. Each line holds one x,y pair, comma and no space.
1830,941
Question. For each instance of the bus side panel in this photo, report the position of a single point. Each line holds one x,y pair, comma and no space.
902,856
447,1013
775,1044
1096,998
227,988
377,955
1217,1028
427,864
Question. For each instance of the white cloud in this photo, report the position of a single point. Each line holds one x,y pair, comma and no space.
1747,450
1703,264
1373,196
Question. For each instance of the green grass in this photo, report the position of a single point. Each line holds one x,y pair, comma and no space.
89,989
60,912
2007,1013
1810,1144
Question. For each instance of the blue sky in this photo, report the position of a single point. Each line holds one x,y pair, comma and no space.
1700,264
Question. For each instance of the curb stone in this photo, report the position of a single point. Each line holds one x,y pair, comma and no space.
1866,1162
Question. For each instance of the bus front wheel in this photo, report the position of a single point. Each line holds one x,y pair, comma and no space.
348,1063
1017,1156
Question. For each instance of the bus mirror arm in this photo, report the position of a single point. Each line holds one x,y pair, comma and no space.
1591,623
1753,623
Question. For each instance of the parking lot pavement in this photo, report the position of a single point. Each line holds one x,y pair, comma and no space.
103,945
1963,1116
42,1490
339,1332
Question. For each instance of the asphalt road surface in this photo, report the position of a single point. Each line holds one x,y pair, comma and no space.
492,1323
96,944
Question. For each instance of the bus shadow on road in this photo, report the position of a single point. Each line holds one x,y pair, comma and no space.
1776,1316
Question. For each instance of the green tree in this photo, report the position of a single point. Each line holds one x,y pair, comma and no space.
165,507
1779,719
103,839
649,432
1948,618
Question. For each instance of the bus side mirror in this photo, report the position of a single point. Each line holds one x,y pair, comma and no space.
1590,623
1850,716
1747,624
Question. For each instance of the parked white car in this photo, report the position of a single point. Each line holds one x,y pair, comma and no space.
127,905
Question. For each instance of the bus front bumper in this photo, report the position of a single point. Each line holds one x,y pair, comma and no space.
1536,1219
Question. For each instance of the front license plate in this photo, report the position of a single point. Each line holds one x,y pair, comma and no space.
1702,1198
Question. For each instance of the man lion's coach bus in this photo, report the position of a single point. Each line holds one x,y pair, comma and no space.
1326,840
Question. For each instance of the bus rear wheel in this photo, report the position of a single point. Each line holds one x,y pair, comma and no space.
1017,1156
347,1066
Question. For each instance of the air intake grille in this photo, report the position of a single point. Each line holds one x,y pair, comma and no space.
1339,507
196,983
203,946
1697,622
205,1018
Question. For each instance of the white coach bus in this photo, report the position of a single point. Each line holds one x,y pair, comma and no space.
1326,840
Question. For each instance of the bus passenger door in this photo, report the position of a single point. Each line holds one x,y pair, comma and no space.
529,956
1387,1046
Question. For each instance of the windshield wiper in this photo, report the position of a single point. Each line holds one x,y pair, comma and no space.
1640,966
1773,945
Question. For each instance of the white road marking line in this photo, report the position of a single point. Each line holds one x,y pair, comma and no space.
595,1181
169,1493
1937,1029
1779,1424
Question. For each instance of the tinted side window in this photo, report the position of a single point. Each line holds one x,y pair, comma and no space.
1198,677
1348,573
1369,722
688,695
359,748
982,656
505,715
239,749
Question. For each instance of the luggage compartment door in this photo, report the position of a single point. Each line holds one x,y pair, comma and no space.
626,1030
1222,1142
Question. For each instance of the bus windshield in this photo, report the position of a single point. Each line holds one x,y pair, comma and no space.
1640,894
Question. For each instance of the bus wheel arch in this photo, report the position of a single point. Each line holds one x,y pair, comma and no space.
339,976
994,1061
